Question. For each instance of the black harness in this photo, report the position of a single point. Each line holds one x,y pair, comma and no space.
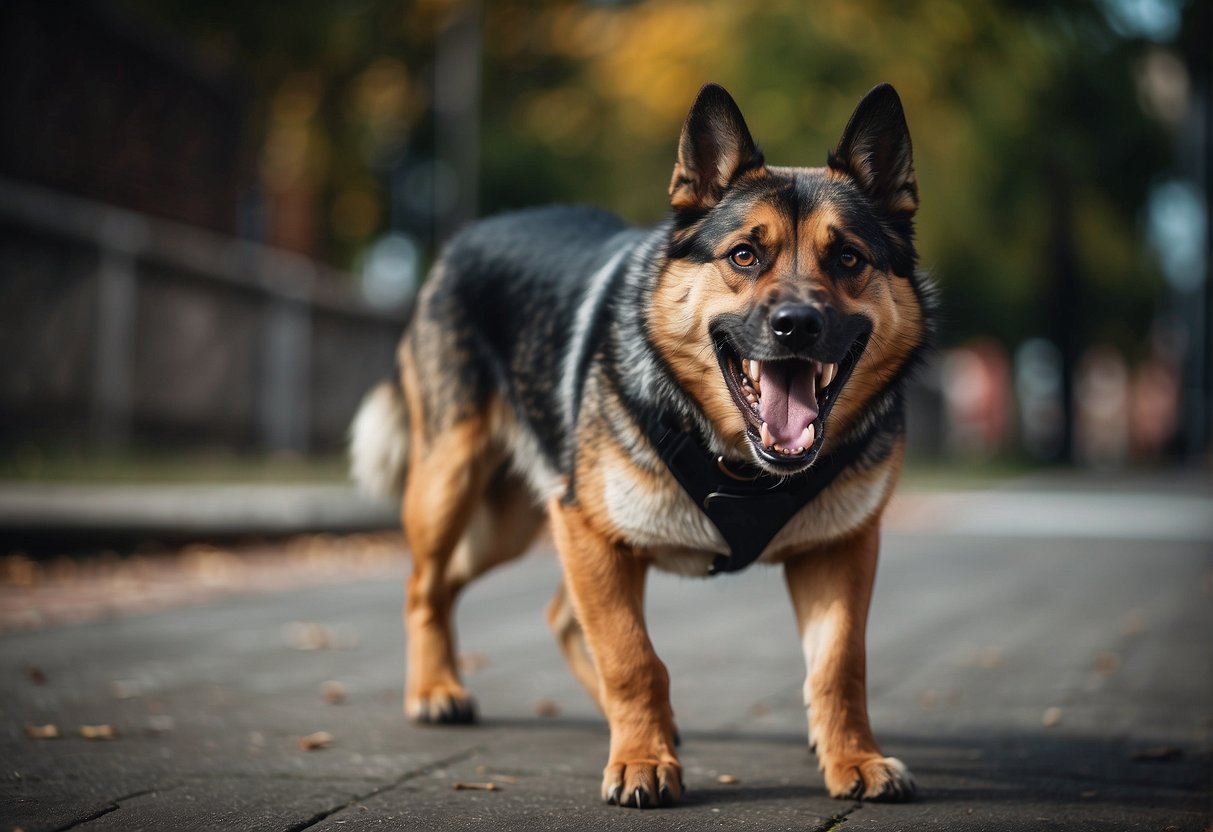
747,505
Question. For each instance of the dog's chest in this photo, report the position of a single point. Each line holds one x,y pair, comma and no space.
656,514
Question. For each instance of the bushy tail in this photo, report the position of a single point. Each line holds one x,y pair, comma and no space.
379,441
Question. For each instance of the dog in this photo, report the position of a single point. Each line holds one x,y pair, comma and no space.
723,388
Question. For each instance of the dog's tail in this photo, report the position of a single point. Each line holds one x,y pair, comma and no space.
379,441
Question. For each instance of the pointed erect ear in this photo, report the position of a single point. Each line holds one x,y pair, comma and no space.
714,149
875,151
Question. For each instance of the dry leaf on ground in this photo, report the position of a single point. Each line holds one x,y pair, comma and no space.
547,708
480,787
312,742
99,732
333,692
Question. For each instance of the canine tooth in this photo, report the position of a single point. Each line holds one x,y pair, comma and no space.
810,434
768,441
755,370
828,371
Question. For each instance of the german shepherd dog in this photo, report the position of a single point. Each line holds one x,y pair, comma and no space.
724,387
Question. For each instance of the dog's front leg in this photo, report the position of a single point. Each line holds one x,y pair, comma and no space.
831,588
606,582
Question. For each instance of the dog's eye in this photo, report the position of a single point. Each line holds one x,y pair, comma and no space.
744,257
849,259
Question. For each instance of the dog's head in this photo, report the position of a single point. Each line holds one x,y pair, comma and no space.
788,300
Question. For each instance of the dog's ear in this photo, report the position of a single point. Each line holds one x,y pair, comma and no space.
875,151
714,149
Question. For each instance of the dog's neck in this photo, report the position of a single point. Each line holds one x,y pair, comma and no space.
747,505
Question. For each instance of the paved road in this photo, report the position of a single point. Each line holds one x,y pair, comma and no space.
1022,670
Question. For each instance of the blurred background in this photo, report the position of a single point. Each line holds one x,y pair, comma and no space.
213,216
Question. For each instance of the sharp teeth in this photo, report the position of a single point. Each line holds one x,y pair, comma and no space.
828,371
755,370
806,438
767,440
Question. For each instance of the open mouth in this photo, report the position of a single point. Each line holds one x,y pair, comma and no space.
786,401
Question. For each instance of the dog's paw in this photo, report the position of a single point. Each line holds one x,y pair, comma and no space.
441,705
643,784
874,778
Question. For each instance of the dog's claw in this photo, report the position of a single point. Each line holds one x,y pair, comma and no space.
641,798
613,797
879,779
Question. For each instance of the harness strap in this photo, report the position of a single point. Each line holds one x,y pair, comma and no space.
746,504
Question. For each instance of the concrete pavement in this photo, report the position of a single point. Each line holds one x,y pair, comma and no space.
1030,677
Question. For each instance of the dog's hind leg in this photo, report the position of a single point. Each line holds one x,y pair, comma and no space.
571,638
503,524
446,477
461,519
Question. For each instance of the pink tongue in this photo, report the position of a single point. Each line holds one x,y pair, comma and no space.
788,403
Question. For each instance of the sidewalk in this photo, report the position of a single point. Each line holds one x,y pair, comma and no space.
1030,680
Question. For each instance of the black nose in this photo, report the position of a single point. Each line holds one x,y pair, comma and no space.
797,325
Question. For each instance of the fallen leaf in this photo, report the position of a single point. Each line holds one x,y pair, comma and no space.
312,742
49,731
481,787
547,708
333,692
727,780
99,732
504,778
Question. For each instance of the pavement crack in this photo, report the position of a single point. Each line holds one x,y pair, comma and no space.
412,774
835,822
112,806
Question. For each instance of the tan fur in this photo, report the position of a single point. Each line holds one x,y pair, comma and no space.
463,514
562,619
465,509
606,584
831,588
